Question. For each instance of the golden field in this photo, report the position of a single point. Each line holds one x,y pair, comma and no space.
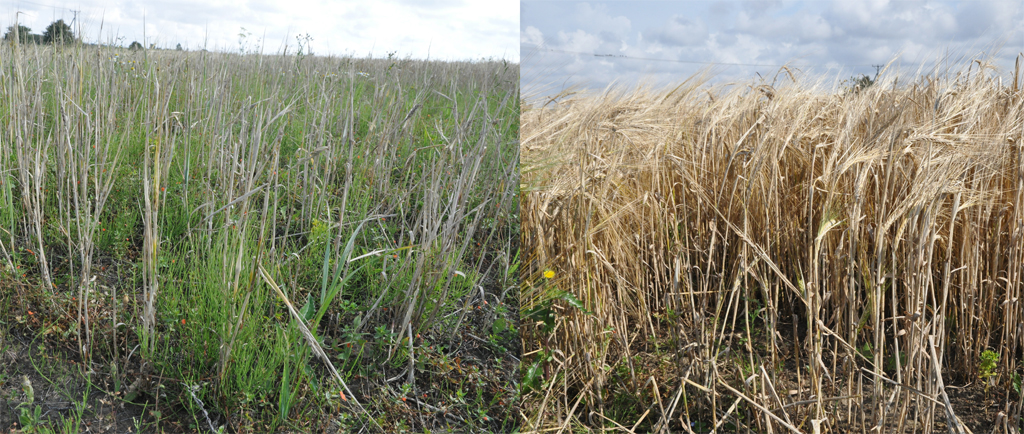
775,257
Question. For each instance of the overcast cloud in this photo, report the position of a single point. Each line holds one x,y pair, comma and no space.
591,44
449,29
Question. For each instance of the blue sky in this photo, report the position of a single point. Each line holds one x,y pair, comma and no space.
664,42
447,29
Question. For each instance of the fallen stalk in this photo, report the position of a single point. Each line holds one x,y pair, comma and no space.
312,342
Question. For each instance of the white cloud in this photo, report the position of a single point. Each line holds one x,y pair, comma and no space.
532,36
579,41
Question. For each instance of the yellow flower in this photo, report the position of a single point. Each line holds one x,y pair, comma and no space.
549,274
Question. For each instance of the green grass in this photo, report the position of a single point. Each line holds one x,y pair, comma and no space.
379,195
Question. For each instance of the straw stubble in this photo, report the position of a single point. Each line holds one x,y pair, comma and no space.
692,223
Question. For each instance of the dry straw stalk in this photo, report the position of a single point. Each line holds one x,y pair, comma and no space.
739,242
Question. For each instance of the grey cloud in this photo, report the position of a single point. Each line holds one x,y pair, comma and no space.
681,31
725,38
609,36
797,28
892,20
813,28
430,4
759,7
840,38
598,19
975,20
722,7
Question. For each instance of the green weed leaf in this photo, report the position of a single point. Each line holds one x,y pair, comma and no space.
543,313
572,300
308,309
532,378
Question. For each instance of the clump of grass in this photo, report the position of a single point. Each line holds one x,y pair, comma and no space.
231,230
776,256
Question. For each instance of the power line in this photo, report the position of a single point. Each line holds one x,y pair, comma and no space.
694,62
19,3
54,7
43,5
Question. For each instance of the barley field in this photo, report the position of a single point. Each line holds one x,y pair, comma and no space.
198,241
783,255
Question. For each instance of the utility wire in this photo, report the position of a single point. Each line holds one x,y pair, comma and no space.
54,7
43,5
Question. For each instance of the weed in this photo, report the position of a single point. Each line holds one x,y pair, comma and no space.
987,367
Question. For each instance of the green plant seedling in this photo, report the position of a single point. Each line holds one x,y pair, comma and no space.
987,369
338,281
543,311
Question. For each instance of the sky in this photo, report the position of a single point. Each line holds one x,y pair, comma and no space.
442,29
660,43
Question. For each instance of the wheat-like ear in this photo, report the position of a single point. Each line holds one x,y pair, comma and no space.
711,213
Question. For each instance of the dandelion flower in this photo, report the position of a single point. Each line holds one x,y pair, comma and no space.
548,274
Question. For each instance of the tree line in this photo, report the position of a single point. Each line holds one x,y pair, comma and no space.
58,32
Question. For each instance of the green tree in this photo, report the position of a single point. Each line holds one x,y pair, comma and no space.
58,32
858,83
863,81
24,34
135,45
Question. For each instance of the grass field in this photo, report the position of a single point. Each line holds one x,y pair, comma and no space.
196,241
776,257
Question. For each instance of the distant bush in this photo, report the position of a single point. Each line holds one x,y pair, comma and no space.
135,45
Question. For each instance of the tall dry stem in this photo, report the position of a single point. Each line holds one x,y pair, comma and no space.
702,218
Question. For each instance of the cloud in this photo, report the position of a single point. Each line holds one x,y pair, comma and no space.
883,19
430,4
600,20
722,7
972,22
814,28
579,41
794,28
532,36
681,31
669,41
760,7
